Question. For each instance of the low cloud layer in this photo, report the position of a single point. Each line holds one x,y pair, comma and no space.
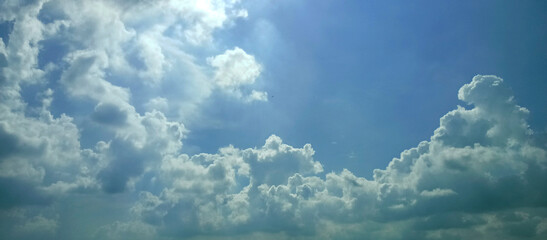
481,175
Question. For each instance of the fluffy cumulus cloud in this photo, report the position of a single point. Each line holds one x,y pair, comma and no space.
96,151
480,176
235,69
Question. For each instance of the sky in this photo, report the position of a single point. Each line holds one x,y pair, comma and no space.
286,119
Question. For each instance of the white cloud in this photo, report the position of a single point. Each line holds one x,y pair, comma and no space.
34,146
257,96
23,49
459,179
236,69
481,174
206,16
129,158
465,156
85,78
437,192
158,103
116,47
153,57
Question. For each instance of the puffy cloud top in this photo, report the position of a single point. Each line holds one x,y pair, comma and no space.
235,69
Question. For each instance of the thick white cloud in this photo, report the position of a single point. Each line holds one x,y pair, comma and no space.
466,182
236,69
21,54
480,176
42,151
41,157
105,43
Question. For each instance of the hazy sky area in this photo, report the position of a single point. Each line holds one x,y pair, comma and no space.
273,119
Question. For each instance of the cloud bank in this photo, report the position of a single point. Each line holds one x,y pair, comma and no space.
481,175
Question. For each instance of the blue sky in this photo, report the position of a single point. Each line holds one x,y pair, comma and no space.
239,119
375,77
